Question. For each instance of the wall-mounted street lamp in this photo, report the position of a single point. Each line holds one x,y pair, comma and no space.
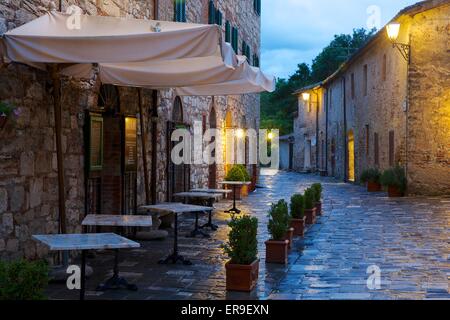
239,133
270,135
393,30
306,96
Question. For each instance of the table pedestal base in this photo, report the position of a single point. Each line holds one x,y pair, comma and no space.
233,210
116,282
174,258
197,230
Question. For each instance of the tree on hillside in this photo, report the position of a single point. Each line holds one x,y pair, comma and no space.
277,107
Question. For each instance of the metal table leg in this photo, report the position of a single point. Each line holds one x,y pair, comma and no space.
197,230
175,257
234,209
116,282
210,225
83,275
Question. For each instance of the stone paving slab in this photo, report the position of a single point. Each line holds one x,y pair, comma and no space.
408,239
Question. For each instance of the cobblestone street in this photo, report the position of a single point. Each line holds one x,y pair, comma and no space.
408,239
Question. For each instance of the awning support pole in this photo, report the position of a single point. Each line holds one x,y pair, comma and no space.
144,148
59,153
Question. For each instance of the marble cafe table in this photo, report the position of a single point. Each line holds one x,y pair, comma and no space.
234,185
221,191
208,199
85,242
175,209
119,221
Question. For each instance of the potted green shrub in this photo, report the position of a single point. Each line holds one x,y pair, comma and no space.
277,246
395,181
23,280
298,214
6,111
238,173
310,206
372,178
317,190
242,248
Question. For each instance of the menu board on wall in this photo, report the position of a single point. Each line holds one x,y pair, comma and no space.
96,143
130,144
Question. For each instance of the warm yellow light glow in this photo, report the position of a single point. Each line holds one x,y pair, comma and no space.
393,29
270,136
305,96
239,133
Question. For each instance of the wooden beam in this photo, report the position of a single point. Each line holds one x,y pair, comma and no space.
144,148
59,152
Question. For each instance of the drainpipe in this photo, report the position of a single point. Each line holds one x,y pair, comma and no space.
317,130
154,118
156,9
345,129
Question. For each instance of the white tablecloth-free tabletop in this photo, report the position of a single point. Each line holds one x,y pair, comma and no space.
236,183
85,241
174,207
222,191
117,220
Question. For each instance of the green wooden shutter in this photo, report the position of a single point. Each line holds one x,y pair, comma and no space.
227,32
218,17
180,10
211,13
235,39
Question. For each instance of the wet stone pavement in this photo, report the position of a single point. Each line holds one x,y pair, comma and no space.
407,239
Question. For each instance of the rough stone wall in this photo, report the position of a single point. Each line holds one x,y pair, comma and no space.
429,109
305,130
28,172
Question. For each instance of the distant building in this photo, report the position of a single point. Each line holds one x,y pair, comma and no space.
287,152
384,106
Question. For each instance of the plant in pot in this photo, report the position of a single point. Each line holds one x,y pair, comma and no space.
310,207
23,280
395,180
242,248
372,178
298,214
240,174
317,190
277,246
7,110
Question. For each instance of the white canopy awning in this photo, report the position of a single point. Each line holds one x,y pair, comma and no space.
53,38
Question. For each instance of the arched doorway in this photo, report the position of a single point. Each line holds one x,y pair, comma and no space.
351,156
178,175
212,174
229,142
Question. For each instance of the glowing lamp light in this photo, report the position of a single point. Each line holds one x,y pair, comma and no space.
239,133
305,96
393,29
270,136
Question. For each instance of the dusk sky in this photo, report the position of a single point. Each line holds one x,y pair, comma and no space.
295,31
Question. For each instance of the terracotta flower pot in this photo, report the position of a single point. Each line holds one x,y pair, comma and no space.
244,191
299,226
394,192
373,187
319,208
290,237
242,277
277,251
3,120
310,215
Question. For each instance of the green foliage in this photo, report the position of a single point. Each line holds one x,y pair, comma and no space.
317,191
297,206
238,173
278,220
23,280
7,109
371,175
278,107
309,199
394,177
242,245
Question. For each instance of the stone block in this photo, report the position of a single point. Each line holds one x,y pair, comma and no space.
12,245
7,223
36,187
17,198
3,200
27,163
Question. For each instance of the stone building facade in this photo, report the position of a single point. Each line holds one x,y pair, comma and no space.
28,164
379,110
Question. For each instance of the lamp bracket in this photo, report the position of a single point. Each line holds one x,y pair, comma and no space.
404,50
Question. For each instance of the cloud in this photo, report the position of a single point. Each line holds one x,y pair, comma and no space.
295,31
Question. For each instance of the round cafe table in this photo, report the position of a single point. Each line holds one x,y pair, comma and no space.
234,185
